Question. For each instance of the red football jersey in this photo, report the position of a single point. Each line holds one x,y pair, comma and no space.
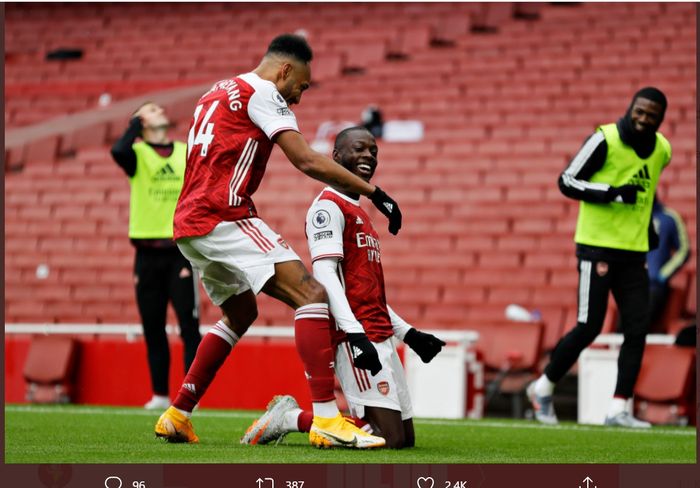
229,144
337,226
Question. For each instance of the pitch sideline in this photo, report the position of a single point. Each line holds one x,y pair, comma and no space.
251,415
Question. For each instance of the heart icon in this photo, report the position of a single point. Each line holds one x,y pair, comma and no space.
425,482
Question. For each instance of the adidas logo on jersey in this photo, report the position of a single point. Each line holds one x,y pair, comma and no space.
389,206
166,173
190,387
359,221
644,173
356,352
642,178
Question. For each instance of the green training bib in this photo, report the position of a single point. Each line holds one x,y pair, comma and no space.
619,225
155,188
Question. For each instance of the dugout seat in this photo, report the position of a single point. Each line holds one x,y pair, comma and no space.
665,390
49,369
511,352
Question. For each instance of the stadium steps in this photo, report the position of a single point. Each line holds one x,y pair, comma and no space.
115,52
485,223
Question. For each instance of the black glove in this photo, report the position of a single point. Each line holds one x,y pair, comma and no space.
388,207
364,355
427,346
628,193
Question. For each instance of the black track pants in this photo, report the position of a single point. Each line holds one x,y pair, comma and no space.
163,275
629,284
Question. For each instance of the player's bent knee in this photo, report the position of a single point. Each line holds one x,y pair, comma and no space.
315,293
395,440
238,320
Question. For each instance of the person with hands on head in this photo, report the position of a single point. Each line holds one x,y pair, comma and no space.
346,258
217,227
614,176
156,167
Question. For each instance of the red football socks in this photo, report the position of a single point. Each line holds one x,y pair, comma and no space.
313,341
215,347
305,420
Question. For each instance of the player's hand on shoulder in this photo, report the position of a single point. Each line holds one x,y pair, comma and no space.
364,355
388,207
427,346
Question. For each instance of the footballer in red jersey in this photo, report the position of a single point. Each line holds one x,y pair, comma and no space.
216,226
346,259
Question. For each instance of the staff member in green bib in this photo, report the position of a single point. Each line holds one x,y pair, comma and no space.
156,167
614,176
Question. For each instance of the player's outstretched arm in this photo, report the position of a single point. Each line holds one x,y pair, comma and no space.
322,168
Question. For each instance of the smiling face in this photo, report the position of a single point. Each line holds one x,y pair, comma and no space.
357,152
646,115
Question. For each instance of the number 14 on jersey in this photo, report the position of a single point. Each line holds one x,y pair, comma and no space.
205,132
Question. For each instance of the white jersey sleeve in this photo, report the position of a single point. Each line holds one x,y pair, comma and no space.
326,272
268,109
324,230
398,325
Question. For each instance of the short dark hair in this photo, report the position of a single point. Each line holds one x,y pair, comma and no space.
291,45
653,94
343,134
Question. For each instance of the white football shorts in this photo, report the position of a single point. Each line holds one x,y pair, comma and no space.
236,257
388,389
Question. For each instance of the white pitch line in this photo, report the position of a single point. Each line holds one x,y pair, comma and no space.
569,427
120,411
453,423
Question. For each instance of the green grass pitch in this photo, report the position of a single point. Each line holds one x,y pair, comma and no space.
82,434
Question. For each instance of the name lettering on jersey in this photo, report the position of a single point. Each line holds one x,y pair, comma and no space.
366,240
328,234
232,91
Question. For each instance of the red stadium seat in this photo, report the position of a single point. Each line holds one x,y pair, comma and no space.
49,369
511,352
484,222
665,390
